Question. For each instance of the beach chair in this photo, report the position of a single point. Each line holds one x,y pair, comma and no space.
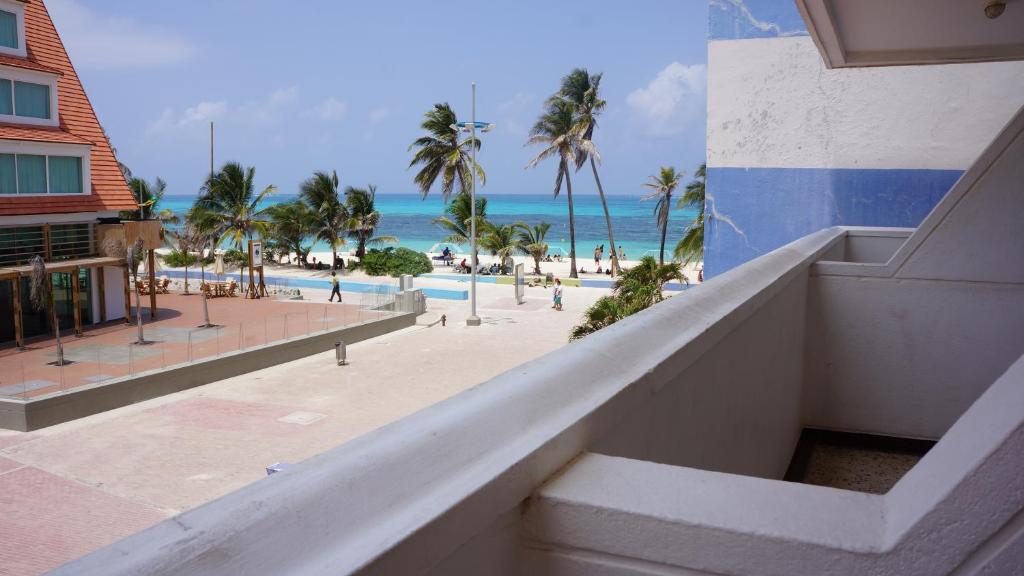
232,287
163,285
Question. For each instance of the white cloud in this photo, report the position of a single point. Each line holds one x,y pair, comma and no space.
514,113
253,114
331,109
378,115
113,42
671,101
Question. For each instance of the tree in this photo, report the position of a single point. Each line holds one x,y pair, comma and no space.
664,184
638,288
531,242
642,285
581,90
557,131
186,240
606,311
458,216
691,246
363,219
320,193
501,241
443,155
149,195
41,297
231,208
292,223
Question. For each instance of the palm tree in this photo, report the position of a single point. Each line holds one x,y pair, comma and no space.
320,193
531,241
556,129
581,89
443,155
638,288
149,195
606,311
292,224
363,218
502,241
231,207
664,184
641,286
691,246
458,216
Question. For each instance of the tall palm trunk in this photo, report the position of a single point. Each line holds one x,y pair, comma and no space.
607,218
572,226
664,228
334,256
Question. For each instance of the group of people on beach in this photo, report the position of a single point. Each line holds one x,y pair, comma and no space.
599,255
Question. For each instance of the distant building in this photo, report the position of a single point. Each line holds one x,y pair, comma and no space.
793,147
59,180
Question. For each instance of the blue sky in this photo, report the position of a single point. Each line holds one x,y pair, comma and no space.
325,85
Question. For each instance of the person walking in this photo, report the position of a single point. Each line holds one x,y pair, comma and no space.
335,287
597,255
557,295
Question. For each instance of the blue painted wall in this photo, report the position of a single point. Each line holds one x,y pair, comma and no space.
752,211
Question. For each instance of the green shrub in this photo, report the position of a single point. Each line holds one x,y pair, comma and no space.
179,259
395,262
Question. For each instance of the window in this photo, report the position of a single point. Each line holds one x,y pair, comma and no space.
70,241
65,175
31,100
8,29
19,245
8,176
38,174
31,174
6,97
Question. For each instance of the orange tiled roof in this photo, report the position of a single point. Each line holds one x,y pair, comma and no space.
77,121
17,62
38,134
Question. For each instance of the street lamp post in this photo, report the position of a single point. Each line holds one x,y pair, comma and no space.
471,127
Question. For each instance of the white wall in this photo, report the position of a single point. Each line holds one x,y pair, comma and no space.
772,103
113,292
737,408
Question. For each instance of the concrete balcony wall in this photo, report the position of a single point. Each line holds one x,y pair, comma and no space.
903,346
736,408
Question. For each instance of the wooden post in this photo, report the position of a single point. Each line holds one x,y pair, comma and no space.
101,292
47,247
262,287
19,331
76,301
152,284
127,297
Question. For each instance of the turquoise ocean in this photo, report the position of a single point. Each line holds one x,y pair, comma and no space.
409,217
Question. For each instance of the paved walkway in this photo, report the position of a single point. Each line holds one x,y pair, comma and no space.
75,487
109,351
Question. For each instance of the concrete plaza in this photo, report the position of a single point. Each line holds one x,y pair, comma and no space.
75,487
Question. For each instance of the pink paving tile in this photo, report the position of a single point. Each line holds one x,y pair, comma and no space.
227,415
14,439
6,465
46,521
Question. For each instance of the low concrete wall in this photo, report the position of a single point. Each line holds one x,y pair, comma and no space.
26,415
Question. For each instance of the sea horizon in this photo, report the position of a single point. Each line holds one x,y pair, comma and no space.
409,217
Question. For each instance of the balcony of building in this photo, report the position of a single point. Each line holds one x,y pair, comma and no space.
660,445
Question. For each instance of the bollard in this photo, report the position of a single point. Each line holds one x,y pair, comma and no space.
444,320
340,353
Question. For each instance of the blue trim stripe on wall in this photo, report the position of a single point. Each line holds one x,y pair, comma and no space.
743,19
752,211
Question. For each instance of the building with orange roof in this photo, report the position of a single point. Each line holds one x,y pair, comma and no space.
61,187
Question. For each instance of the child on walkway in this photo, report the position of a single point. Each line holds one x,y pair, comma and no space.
557,295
